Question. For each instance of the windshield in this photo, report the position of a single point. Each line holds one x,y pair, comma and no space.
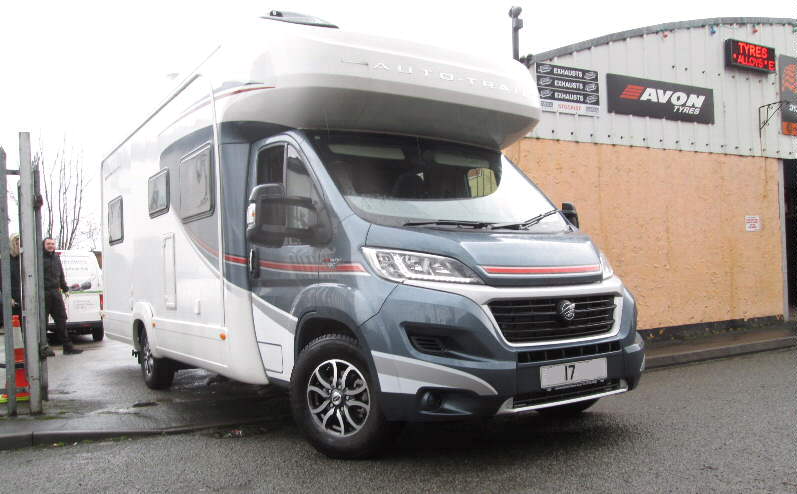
394,180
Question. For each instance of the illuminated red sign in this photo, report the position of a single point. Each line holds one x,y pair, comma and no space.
749,56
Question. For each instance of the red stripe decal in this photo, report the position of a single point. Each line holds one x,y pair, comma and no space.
593,268
244,90
303,268
309,268
235,259
343,268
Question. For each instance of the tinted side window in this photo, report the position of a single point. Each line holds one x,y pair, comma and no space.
196,185
116,230
159,193
298,184
269,165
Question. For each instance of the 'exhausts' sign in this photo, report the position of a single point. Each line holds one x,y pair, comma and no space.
659,99
788,94
568,89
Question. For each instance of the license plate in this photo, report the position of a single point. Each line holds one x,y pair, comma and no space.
562,375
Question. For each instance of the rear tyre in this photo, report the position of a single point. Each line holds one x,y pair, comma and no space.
97,333
158,372
570,410
334,399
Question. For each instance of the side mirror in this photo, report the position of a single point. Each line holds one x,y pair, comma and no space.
570,213
267,217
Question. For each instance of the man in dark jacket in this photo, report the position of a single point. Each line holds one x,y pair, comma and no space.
54,283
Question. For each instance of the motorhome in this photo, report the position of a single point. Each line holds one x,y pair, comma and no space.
331,212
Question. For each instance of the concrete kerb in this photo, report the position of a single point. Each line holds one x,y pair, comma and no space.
42,438
686,357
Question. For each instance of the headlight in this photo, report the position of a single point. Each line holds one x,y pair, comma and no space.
608,272
399,265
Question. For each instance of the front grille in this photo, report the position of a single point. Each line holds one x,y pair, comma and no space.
542,397
534,320
572,352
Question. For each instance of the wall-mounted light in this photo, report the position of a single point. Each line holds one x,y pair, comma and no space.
712,29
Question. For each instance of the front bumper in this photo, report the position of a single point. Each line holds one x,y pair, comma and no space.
473,371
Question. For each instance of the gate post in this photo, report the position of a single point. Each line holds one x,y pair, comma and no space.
31,240
5,284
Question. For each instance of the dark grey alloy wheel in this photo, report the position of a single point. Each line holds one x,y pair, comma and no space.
158,372
334,399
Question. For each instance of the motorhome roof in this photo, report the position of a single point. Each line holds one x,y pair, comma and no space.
296,75
297,18
332,79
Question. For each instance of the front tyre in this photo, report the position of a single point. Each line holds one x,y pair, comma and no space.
158,372
334,399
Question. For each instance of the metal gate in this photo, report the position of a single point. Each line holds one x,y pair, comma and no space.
33,325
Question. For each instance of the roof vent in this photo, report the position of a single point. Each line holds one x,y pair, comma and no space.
296,18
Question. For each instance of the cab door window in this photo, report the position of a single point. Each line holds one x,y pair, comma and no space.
283,164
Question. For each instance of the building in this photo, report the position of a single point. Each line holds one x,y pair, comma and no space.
677,144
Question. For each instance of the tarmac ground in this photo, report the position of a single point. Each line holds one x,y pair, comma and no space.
724,425
100,393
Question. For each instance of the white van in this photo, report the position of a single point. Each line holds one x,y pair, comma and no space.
84,303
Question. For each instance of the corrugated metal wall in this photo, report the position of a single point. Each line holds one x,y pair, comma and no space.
693,56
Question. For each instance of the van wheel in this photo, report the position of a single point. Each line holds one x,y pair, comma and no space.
158,372
570,410
334,399
97,333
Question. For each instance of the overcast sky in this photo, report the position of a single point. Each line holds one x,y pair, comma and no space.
91,70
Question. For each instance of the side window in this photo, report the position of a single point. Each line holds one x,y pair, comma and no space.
298,184
270,168
270,163
159,193
116,231
196,185
283,164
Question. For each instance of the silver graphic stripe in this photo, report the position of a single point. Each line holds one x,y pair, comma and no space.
407,375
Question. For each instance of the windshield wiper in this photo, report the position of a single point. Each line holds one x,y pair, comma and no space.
526,224
472,224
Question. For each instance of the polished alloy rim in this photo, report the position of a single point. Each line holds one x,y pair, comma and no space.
148,359
338,397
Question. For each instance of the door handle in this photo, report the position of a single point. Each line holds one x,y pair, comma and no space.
254,263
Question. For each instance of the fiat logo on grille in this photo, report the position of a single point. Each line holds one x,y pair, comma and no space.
566,310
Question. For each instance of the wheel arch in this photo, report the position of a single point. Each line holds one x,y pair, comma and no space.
142,321
318,323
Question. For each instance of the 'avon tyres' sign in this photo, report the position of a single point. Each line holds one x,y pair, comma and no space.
659,99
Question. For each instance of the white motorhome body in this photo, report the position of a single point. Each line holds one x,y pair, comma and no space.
165,273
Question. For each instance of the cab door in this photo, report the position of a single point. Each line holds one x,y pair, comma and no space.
279,276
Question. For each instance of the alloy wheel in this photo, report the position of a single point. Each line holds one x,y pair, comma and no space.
338,397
